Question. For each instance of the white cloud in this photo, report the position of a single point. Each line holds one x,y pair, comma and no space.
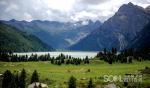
83,15
62,10
27,16
11,7
93,2
63,5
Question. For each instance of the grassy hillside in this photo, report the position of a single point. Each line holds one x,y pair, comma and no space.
17,41
55,75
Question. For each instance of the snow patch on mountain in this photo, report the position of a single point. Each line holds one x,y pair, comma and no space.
77,38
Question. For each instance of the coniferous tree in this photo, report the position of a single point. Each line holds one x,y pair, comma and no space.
7,79
59,62
110,58
90,84
105,51
72,82
86,60
17,80
52,61
35,77
114,51
13,83
22,79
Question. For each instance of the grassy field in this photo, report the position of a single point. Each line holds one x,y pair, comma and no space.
56,76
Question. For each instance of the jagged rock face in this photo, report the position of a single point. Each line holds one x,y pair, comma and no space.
147,9
118,31
142,40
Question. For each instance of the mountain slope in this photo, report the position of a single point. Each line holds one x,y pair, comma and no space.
118,31
142,40
11,39
58,34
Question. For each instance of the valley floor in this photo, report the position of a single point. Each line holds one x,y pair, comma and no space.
56,76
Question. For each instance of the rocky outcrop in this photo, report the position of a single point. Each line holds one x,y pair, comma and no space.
118,31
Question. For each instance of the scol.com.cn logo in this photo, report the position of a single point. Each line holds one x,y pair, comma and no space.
120,78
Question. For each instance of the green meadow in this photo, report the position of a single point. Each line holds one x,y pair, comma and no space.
57,76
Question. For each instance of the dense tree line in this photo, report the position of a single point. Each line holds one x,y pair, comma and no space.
10,57
11,80
125,56
61,59
14,80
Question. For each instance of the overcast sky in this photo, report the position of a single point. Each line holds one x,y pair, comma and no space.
62,10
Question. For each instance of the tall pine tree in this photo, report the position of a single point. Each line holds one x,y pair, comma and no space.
13,83
7,79
90,84
17,80
35,77
72,82
22,79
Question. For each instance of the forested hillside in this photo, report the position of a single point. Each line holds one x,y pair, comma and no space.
14,40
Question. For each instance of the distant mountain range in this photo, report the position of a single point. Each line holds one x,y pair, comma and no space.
128,28
57,34
119,31
12,39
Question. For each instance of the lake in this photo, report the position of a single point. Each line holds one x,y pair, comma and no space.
76,54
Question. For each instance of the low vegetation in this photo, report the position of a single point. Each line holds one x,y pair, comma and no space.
68,72
55,75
